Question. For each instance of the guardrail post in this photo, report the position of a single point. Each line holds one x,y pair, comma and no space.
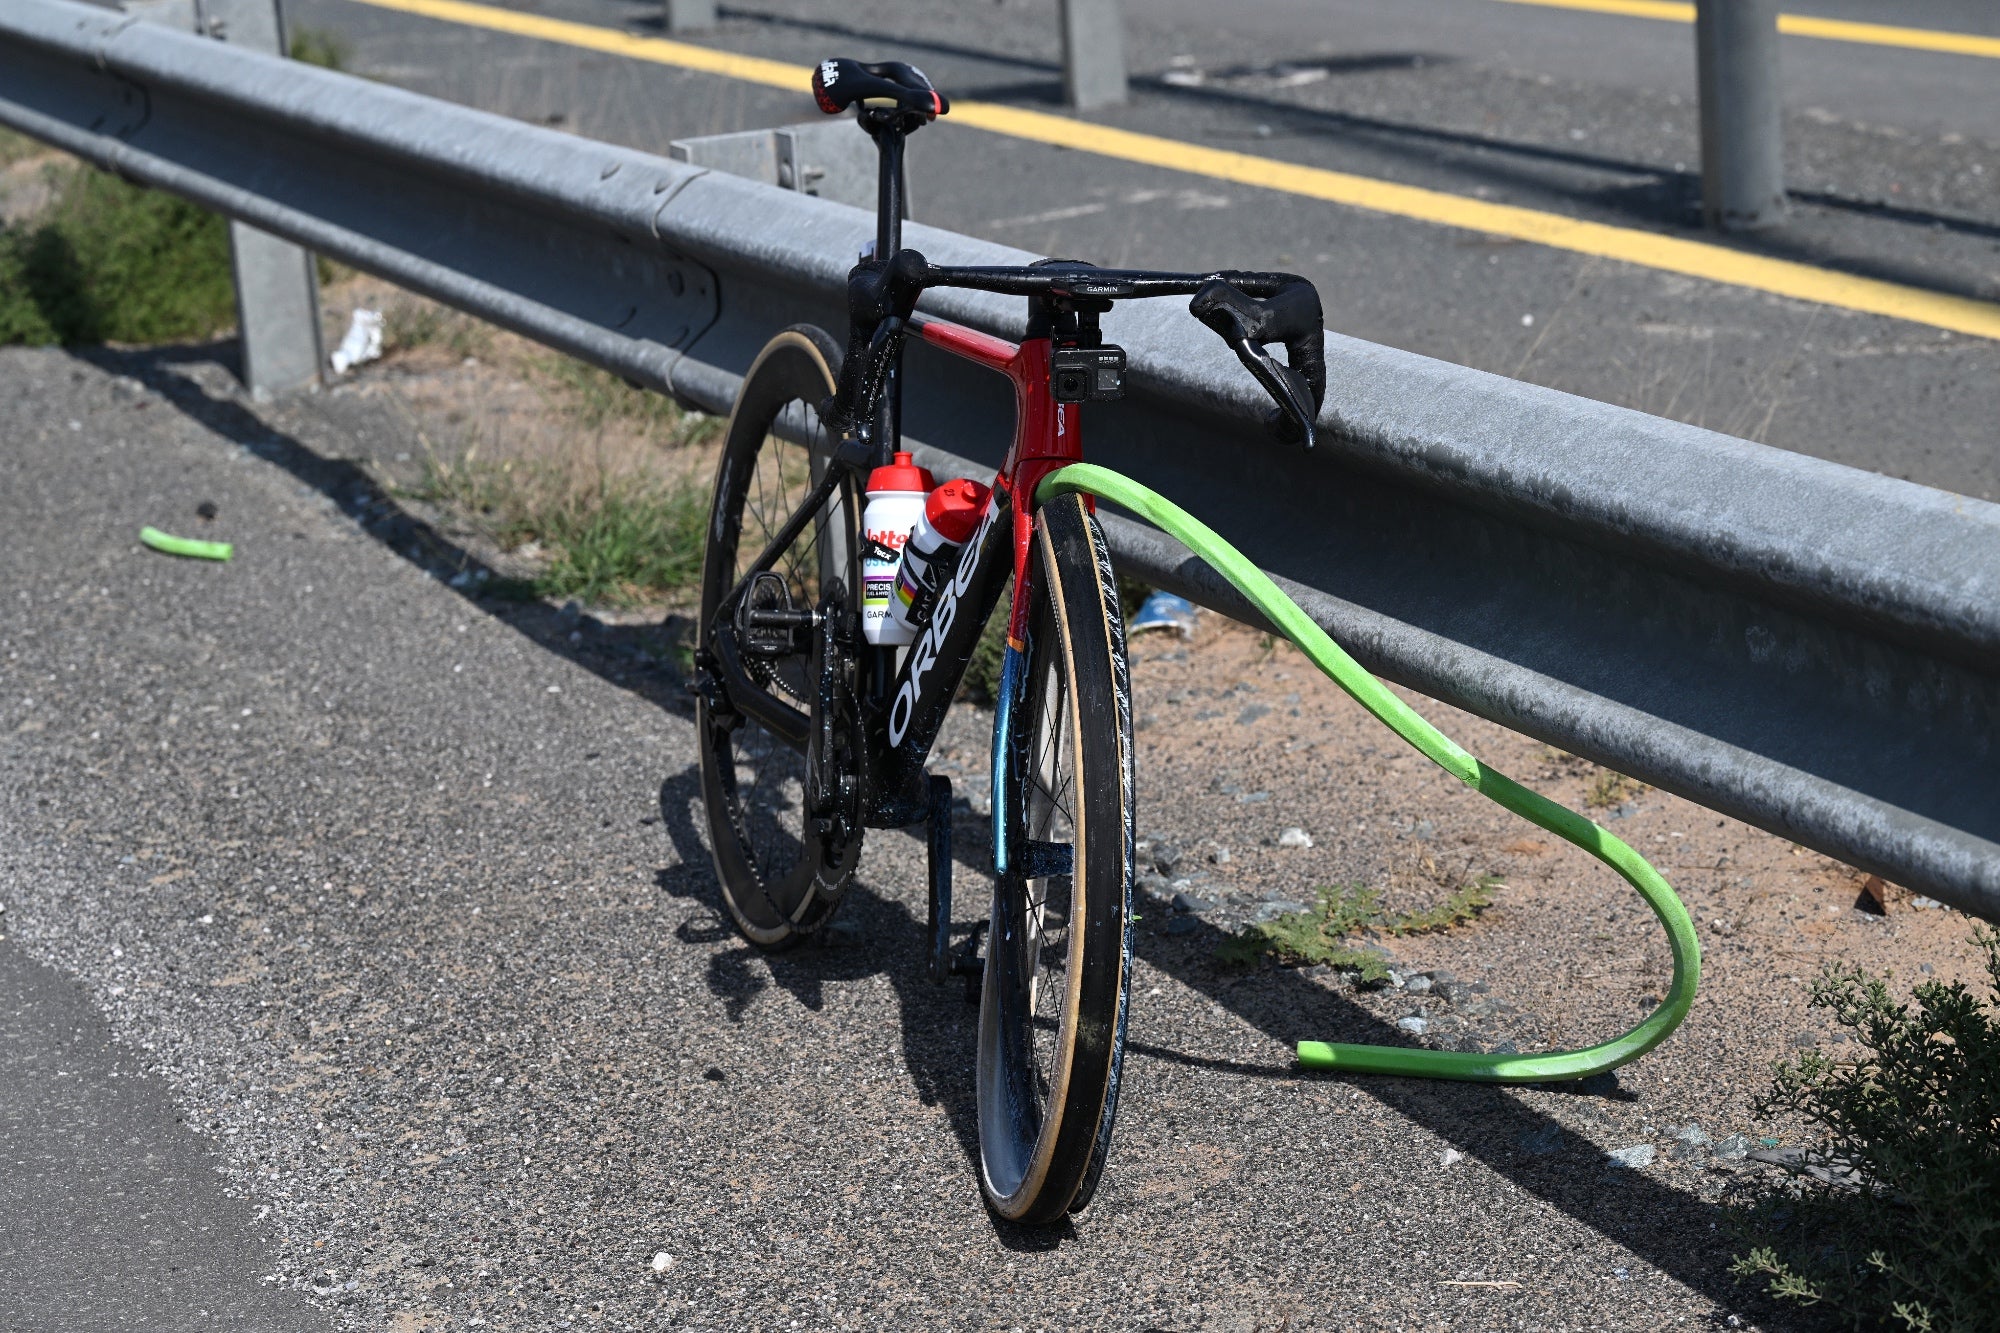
1093,40
690,15
277,285
1742,142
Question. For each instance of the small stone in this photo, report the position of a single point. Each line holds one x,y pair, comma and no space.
1733,1149
571,613
1453,992
1878,895
1425,830
1182,925
1220,856
1272,910
1165,857
1251,713
1415,1025
1151,883
1417,985
1315,972
662,1262
1926,903
1543,1141
1449,1156
1633,1158
1253,798
1690,1152
1691,1134
1295,837
1187,902
1803,1040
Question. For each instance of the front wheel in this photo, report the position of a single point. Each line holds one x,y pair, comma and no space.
1058,963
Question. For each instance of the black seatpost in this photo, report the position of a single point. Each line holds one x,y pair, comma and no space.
888,134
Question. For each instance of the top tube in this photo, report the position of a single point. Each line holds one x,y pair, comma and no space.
1063,279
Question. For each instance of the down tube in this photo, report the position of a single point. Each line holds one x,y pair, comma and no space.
902,734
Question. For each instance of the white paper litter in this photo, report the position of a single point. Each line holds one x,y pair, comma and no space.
362,344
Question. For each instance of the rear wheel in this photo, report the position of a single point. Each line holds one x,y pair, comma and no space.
778,790
1052,1013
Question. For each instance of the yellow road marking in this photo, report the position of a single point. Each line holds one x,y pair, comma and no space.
1695,259
1798,25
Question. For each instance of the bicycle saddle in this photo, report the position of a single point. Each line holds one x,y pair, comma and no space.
839,83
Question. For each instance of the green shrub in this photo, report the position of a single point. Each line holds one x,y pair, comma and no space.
1892,1218
108,261
317,46
981,682
1321,936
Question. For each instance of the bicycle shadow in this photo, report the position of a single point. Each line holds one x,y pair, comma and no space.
1486,1124
882,937
637,658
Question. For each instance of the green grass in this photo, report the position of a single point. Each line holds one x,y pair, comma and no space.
108,261
597,398
410,323
1611,788
981,682
618,541
624,545
1323,935
317,46
17,147
1906,1234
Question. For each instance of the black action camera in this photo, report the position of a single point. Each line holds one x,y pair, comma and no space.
1087,374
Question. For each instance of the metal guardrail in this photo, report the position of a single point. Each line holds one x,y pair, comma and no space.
1810,648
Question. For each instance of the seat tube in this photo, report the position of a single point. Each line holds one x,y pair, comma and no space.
888,240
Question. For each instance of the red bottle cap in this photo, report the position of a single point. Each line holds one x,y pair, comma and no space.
954,509
902,475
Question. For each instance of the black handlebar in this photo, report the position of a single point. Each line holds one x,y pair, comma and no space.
1250,311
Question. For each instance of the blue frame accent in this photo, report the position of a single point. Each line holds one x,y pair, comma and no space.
1013,665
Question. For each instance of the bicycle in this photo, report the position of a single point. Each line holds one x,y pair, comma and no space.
809,734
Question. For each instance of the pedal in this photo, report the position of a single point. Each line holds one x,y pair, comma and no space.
942,964
968,962
767,623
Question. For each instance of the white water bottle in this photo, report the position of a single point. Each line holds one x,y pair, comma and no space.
895,502
950,514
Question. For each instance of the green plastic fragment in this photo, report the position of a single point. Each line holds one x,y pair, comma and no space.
1400,718
172,545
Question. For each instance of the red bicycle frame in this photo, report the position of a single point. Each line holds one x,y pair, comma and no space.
1047,435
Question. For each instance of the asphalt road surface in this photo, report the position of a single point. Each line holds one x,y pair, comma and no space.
361,963
1893,155
426,1014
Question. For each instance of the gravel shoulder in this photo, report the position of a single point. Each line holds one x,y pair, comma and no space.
401,899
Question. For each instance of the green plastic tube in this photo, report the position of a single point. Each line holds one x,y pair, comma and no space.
172,545
1434,745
